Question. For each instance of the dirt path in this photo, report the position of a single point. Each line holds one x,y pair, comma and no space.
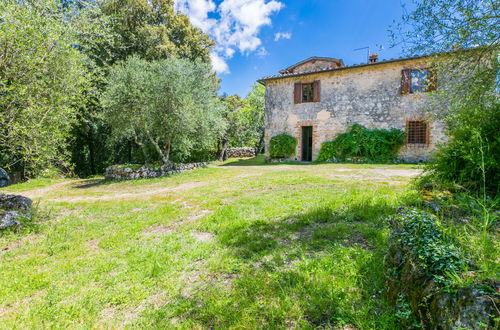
135,195
55,192
40,192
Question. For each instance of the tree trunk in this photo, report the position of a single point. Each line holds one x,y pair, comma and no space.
143,150
223,153
260,147
165,153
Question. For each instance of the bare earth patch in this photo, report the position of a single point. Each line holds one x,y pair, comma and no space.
94,244
40,192
19,242
135,195
164,229
158,230
202,236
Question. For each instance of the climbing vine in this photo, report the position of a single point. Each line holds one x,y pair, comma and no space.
362,144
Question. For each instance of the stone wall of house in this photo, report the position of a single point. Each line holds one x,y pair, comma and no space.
369,95
122,172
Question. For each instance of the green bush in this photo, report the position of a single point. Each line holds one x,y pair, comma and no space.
377,145
282,146
471,157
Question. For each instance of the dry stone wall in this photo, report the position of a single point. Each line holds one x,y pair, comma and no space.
122,172
243,152
370,96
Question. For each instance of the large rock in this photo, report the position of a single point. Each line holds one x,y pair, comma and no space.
15,203
8,219
4,178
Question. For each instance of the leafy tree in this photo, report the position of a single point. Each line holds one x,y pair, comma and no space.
464,37
169,104
232,136
245,119
153,30
42,79
118,29
253,117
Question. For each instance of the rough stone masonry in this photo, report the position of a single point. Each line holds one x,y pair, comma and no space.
329,97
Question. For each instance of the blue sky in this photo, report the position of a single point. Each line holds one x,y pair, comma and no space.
256,38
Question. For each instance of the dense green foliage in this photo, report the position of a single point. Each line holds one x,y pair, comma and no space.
473,224
169,104
56,56
42,81
472,155
153,30
253,118
361,144
467,97
282,146
149,29
245,121
420,237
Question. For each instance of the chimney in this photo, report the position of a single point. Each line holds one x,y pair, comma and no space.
373,58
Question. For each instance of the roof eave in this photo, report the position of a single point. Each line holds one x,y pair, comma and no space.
290,75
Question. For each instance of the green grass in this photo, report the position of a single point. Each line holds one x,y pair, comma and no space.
275,246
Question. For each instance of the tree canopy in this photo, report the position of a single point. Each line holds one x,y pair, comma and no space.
42,79
153,30
170,104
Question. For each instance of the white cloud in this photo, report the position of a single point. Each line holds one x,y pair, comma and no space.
237,27
282,35
197,11
218,63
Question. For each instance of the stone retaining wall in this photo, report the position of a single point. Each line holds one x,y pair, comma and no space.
241,152
122,172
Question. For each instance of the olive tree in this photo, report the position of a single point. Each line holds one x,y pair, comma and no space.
169,104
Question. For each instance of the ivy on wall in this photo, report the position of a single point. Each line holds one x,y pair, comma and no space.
362,144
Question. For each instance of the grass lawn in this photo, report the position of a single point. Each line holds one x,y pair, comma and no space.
238,244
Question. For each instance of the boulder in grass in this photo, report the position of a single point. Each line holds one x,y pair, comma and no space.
8,219
15,203
4,178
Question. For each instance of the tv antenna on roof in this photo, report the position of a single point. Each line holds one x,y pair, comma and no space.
368,52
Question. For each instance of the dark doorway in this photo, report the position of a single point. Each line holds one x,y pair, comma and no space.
307,143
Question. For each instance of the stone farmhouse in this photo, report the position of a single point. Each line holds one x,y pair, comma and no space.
319,98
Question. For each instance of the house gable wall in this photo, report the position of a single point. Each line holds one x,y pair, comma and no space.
314,65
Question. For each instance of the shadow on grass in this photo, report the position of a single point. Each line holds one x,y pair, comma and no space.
322,268
260,160
313,231
90,183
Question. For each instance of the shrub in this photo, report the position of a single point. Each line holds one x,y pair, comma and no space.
282,146
471,157
378,145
